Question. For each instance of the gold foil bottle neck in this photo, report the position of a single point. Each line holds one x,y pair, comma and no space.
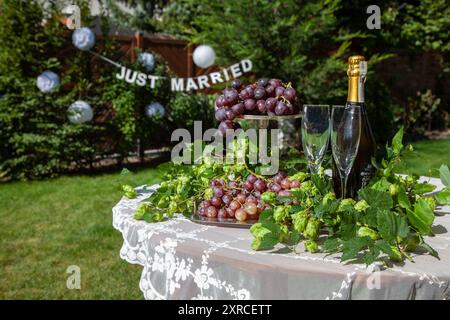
357,69
354,65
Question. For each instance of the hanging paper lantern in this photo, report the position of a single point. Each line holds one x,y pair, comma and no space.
83,38
47,81
155,108
80,112
204,56
148,60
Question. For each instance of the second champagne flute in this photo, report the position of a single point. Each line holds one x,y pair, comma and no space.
345,136
315,134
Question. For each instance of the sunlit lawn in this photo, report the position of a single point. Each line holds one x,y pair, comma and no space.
47,226
427,157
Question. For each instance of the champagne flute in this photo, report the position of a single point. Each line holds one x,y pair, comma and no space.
315,134
345,136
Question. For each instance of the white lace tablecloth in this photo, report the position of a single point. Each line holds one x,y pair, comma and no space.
185,260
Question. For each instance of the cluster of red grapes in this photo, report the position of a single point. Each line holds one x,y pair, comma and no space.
242,200
265,97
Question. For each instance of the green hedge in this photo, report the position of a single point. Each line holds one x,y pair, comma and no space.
36,138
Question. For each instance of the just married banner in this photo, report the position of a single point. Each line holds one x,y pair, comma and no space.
186,84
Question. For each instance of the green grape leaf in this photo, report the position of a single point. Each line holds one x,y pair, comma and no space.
444,174
397,144
430,250
352,247
402,197
422,217
381,185
265,215
348,231
421,188
265,243
383,246
391,226
370,218
443,197
372,255
331,245
294,238
377,199
259,231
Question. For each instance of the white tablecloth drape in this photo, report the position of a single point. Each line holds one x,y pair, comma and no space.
185,260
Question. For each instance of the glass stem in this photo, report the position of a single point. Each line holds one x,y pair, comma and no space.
345,187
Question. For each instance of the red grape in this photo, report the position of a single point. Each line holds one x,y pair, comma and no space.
234,205
218,191
260,206
279,91
230,212
263,82
227,199
270,91
230,95
280,109
216,202
261,104
222,214
211,212
279,177
229,114
220,101
251,208
220,114
241,215
250,92
236,84
275,187
238,108
295,184
284,193
205,203
275,82
201,211
241,197
249,104
271,103
285,184
251,199
290,94
251,178
248,186
260,93
259,185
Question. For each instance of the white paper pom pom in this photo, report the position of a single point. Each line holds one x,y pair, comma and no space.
148,60
155,108
83,38
80,112
204,56
47,81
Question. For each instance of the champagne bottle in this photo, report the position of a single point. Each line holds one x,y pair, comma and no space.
362,170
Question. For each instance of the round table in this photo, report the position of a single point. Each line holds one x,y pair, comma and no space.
185,260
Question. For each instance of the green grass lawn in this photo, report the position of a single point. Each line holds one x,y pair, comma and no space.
46,226
426,158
